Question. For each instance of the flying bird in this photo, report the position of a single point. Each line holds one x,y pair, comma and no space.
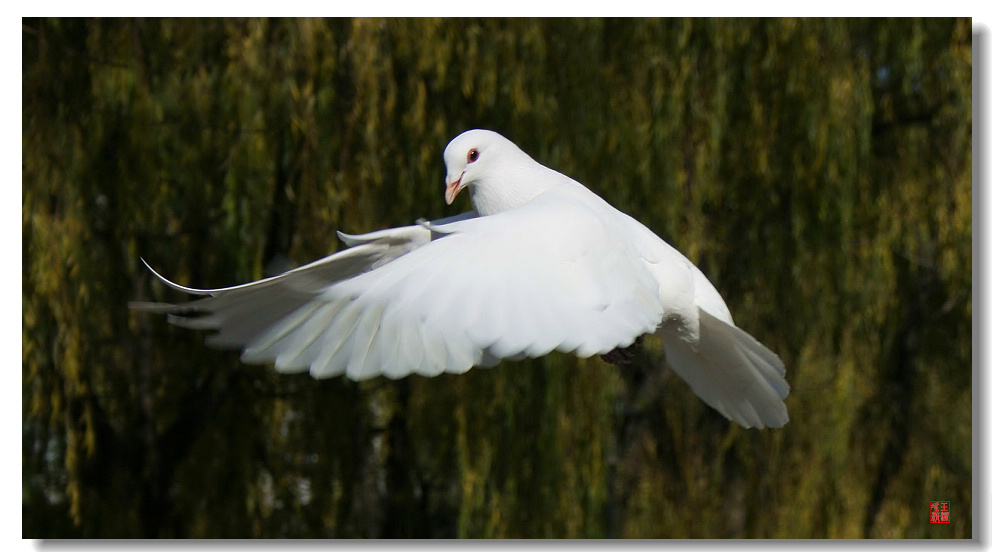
540,264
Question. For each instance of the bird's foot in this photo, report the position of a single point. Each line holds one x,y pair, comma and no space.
623,356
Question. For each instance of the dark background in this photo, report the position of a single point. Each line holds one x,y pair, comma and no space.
818,171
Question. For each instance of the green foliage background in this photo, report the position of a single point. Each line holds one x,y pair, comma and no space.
819,171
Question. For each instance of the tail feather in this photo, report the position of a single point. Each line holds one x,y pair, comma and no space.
732,372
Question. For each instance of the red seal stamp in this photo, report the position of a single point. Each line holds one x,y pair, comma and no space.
940,511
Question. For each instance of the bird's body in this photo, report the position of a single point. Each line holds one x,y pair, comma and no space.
542,264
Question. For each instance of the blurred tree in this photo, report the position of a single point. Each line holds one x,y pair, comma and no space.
819,171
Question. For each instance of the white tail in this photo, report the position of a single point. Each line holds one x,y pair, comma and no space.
731,371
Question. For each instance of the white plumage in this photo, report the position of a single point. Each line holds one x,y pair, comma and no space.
542,264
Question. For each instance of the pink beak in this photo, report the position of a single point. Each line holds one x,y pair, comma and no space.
452,188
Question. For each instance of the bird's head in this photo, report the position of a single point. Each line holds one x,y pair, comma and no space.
469,157
498,174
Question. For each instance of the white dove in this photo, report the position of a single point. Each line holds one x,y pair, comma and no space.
541,264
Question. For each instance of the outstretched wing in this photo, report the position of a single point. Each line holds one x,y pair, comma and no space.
552,274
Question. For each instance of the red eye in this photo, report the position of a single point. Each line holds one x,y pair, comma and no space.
473,154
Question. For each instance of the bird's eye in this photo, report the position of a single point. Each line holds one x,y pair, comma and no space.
473,155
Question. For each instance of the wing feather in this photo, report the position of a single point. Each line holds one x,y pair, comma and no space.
555,273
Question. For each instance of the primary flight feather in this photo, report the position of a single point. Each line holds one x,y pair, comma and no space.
541,264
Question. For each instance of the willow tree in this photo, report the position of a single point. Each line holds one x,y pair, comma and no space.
819,171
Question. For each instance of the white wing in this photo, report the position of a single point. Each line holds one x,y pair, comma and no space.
556,273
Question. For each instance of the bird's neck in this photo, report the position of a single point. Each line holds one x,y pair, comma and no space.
513,188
